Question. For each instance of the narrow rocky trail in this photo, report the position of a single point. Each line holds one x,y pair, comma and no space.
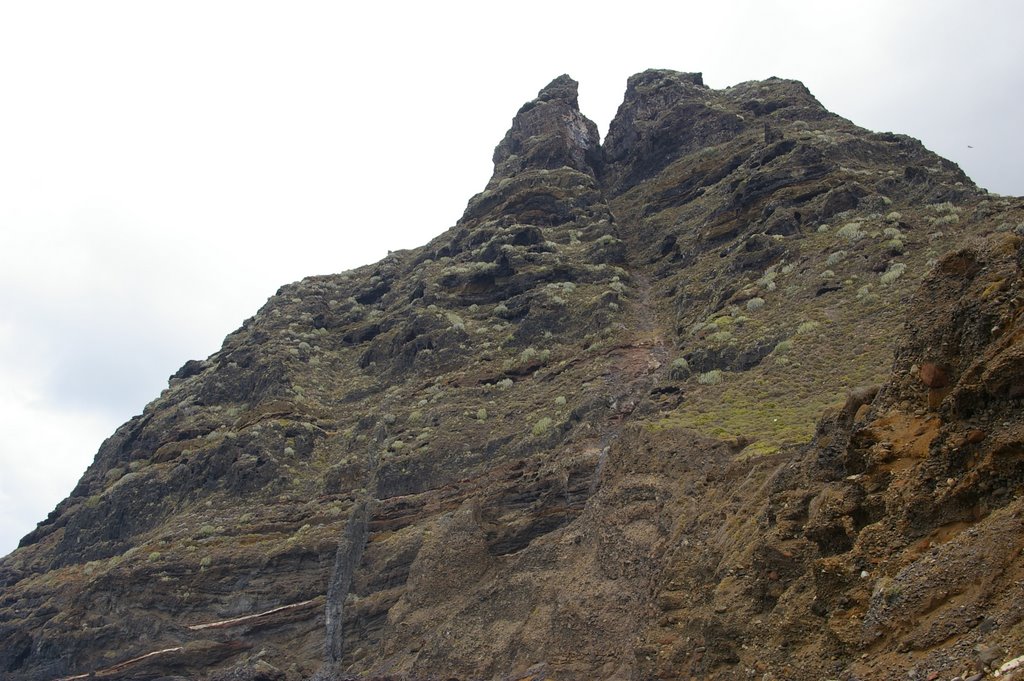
651,330
641,364
638,366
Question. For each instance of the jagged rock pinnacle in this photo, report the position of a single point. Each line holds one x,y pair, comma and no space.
563,87
537,166
667,114
549,132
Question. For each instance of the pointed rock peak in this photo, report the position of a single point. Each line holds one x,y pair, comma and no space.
563,88
538,165
658,90
549,132
664,116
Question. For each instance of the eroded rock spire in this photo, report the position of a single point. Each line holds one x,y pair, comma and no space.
549,132
546,168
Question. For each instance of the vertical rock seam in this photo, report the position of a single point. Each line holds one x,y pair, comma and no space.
350,551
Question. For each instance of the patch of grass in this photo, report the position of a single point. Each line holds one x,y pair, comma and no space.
894,272
835,258
713,377
542,426
720,337
780,402
680,368
783,346
851,231
942,221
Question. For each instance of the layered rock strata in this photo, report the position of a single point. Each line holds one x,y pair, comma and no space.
636,415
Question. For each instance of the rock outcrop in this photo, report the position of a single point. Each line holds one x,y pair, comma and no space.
734,394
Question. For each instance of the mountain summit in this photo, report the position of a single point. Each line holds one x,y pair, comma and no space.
735,394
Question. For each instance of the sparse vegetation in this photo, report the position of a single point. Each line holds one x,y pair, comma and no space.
720,337
767,280
542,426
835,258
851,231
783,346
713,377
894,272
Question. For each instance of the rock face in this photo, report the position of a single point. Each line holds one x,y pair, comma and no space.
637,415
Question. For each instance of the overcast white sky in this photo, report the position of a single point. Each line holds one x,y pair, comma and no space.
165,166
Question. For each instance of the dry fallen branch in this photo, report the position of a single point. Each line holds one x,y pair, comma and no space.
109,671
222,624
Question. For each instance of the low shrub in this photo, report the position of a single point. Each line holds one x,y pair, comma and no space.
542,426
713,377
680,368
894,272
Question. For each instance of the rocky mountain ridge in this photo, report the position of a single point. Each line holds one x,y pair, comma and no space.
637,415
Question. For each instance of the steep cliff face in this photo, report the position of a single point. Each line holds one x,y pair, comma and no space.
618,422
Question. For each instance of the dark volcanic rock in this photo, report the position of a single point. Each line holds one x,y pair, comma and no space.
665,115
548,133
623,420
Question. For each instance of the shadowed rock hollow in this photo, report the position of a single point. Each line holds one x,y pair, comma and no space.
735,394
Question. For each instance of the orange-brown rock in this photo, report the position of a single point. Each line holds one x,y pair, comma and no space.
933,375
975,435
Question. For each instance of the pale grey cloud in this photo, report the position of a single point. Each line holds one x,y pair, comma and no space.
165,167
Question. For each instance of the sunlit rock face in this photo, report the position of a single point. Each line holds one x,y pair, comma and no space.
734,394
